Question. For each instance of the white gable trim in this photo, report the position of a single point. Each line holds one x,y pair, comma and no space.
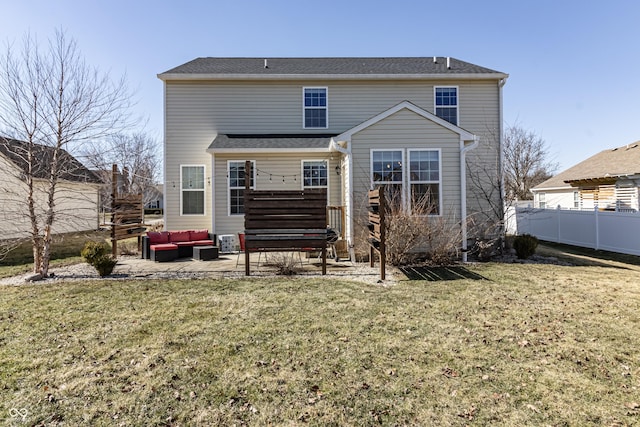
405,105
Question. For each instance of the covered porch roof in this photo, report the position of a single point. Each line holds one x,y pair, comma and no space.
269,143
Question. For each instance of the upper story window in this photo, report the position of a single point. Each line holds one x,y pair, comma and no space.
446,100
236,175
315,107
314,174
192,189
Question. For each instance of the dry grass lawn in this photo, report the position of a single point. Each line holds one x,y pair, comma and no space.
532,345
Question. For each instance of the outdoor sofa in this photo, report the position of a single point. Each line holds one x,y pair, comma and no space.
169,245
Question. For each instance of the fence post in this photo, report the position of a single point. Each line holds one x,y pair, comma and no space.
597,221
558,220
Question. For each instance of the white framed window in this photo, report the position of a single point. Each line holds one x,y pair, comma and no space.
315,174
424,181
446,103
387,168
236,184
416,183
315,108
576,200
192,194
542,200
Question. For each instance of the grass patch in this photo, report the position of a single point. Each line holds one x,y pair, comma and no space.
533,345
585,256
65,250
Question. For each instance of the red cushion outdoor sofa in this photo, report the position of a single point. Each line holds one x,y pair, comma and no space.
168,245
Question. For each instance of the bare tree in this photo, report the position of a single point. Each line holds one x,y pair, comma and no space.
526,162
137,154
505,175
51,98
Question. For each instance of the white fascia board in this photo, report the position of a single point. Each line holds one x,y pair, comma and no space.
542,190
464,135
204,76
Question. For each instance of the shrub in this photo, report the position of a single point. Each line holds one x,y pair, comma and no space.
525,245
415,234
285,263
105,265
97,255
93,251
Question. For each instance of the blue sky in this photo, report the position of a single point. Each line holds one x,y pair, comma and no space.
574,66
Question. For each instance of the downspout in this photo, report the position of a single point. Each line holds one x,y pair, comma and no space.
349,213
463,192
501,84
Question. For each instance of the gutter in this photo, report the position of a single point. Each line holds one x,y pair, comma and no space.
231,76
463,192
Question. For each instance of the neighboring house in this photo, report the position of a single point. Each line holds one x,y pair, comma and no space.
345,124
76,197
155,197
610,180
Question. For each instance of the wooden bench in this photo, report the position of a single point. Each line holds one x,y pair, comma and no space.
285,221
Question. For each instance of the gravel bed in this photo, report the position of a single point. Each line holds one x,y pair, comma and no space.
360,272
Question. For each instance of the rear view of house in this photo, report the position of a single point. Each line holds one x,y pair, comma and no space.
424,128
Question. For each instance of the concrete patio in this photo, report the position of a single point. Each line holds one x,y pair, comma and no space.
232,265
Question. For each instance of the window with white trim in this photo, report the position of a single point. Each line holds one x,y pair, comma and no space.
314,174
542,200
424,181
235,172
315,107
192,190
446,103
387,170
576,199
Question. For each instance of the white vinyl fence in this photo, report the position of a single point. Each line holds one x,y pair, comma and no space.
610,231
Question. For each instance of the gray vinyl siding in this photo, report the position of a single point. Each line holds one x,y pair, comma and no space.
272,169
271,107
407,130
195,112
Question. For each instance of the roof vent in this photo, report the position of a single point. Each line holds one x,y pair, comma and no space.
435,59
448,63
266,64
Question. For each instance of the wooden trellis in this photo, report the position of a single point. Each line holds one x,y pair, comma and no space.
377,229
127,214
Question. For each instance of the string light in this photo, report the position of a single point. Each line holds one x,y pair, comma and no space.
292,177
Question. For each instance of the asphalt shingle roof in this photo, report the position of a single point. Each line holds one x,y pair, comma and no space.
223,141
72,170
615,162
328,66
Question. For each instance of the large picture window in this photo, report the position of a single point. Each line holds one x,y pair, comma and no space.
236,175
416,184
192,190
315,107
446,100
314,173
424,181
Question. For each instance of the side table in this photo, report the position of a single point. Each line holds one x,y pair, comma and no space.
205,253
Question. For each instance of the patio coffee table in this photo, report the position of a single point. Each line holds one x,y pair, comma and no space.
205,253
